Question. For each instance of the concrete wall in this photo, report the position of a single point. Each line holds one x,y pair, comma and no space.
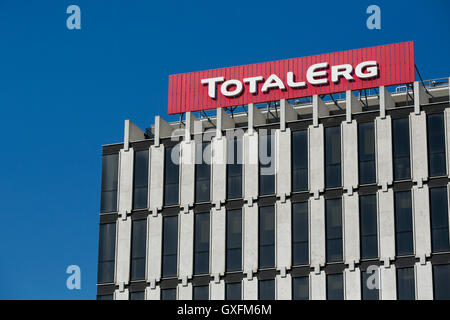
186,245
283,235
157,181
154,248
424,281
250,237
350,155
383,151
187,176
250,150
316,158
352,280
318,286
218,241
388,283
418,138
283,162
219,170
317,234
283,287
250,289
387,224
351,228
217,290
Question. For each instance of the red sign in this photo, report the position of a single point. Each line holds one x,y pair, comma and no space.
292,78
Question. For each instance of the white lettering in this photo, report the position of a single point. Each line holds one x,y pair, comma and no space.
224,88
312,74
291,82
371,70
273,82
211,82
253,82
343,70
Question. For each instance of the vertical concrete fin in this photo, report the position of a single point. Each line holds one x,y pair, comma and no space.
287,113
420,97
386,101
131,133
255,117
319,110
352,105
224,121
162,129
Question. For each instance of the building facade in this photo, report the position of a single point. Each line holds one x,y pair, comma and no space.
345,198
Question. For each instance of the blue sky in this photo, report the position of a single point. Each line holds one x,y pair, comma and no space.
65,93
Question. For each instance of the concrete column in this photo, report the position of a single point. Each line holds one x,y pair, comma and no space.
187,180
422,227
287,113
387,224
132,133
218,241
121,295
319,110
250,236
420,97
250,289
185,292
157,180
350,155
283,235
125,192
386,101
351,228
383,151
251,176
161,130
424,281
219,170
283,287
419,150
388,283
217,290
317,235
316,160
154,249
186,245
318,286
153,294
352,105
352,284
283,162
123,251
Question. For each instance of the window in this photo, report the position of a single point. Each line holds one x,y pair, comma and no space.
138,249
233,291
403,223
140,181
234,168
106,297
335,286
436,145
299,160
169,294
106,253
171,176
202,172
333,209
137,295
170,246
234,240
300,236
201,243
333,157
366,152
439,219
266,254
266,165
266,289
110,171
368,221
400,134
201,292
300,288
369,285
441,281
405,284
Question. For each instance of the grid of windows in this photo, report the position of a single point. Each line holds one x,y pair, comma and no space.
366,153
266,243
201,243
203,172
266,289
368,221
201,292
335,286
436,145
439,219
404,243
441,282
234,240
233,291
110,171
405,284
299,160
266,165
137,295
300,288
234,168
140,180
171,175
334,243
300,234
401,149
107,253
138,249
333,157
170,246
169,294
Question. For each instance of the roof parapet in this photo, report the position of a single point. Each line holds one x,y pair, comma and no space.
131,133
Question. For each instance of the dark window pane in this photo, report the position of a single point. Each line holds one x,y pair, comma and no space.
439,219
202,172
401,150
171,175
436,145
403,223
300,288
333,157
233,291
106,253
234,240
299,160
234,168
335,286
201,243
266,253
368,221
266,165
169,294
441,282
405,284
369,286
366,152
140,181
170,246
333,208
138,249
110,171
201,293
138,295
266,289
106,297
300,252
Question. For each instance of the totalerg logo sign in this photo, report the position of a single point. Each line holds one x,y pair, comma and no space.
292,78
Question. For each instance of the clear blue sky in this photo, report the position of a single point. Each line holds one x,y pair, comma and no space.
65,93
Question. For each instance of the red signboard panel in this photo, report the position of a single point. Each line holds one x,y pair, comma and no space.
292,78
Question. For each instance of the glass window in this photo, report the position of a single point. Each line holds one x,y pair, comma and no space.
300,235
333,157
439,219
333,209
441,281
369,285
266,241
405,284
201,243
170,246
110,171
140,181
299,160
171,175
400,134
368,221
403,223
335,286
436,145
300,288
234,168
266,165
138,249
366,152
201,293
169,294
233,291
266,289
106,297
202,172
137,295
107,253
234,240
